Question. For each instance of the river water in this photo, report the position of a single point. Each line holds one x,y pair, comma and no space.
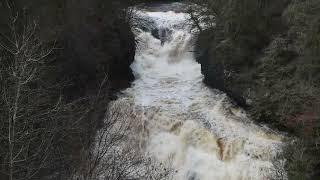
184,124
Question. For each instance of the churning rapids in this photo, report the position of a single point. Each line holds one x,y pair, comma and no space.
182,123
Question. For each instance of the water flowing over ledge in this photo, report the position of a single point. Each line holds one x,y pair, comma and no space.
182,123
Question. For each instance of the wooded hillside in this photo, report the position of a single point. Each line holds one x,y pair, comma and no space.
265,55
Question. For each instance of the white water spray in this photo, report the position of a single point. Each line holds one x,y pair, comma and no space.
186,123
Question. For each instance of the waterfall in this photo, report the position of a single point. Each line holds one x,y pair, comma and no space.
192,129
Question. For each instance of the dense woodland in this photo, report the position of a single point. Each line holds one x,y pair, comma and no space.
265,55
61,62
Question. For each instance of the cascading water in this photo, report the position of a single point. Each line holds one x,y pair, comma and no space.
191,128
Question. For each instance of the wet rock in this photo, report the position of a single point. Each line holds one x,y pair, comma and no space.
155,33
144,23
176,126
192,176
165,7
163,34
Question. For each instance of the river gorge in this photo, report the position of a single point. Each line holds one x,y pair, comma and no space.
190,128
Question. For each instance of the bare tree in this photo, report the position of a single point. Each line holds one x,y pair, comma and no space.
37,122
24,100
40,130
116,153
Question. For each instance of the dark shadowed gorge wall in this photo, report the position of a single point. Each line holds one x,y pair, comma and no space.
92,49
265,55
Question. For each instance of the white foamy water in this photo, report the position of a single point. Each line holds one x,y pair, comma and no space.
191,128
